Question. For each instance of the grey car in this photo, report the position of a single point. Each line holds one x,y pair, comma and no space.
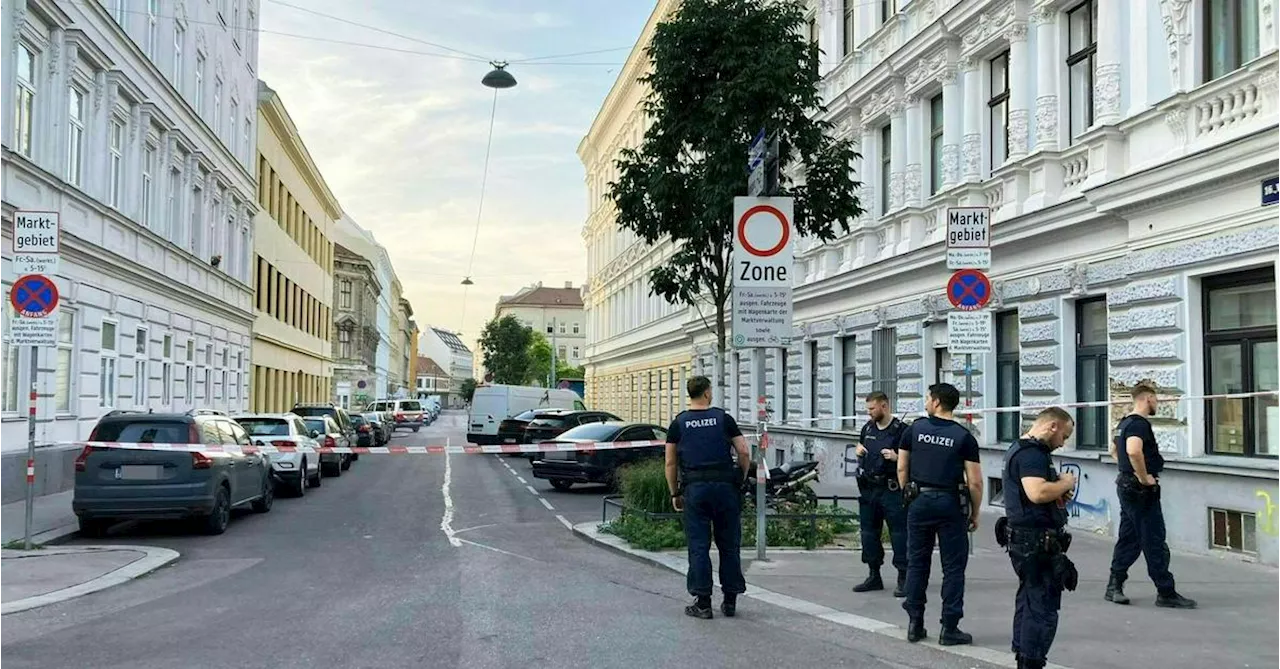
116,484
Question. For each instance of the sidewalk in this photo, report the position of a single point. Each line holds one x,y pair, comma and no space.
1235,625
51,519
30,579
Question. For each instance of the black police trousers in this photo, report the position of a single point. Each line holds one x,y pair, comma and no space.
937,513
877,506
714,509
1141,531
1035,613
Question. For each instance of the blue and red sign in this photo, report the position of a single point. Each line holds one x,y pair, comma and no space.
969,290
34,296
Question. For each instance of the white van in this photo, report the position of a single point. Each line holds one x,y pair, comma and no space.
494,403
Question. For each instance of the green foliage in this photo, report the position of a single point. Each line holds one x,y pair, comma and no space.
505,344
646,534
644,486
468,389
797,531
564,371
539,359
722,70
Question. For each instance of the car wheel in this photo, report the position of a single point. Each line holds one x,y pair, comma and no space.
94,528
263,503
346,464
300,488
315,481
332,469
216,522
561,484
416,429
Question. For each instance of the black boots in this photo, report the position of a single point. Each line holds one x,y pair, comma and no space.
1173,600
873,582
729,607
1024,663
901,590
1115,589
952,636
915,630
700,608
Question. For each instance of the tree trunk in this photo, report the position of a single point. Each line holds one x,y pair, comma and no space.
718,383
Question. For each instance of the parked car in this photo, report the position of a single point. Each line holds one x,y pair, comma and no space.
339,415
325,430
565,468
407,413
297,470
383,424
366,434
494,403
116,484
549,424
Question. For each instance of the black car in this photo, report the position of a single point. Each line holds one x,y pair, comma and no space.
339,416
511,430
366,432
565,468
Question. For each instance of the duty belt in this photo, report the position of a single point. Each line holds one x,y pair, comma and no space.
714,474
879,481
1049,541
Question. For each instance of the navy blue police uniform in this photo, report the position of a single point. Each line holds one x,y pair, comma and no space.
711,486
880,499
1036,535
1142,527
939,449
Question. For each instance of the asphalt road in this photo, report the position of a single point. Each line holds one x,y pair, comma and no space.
362,573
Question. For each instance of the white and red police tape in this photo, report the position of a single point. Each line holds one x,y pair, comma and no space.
466,449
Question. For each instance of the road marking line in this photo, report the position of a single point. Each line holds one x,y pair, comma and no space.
564,521
546,504
498,550
446,522
530,489
521,479
477,527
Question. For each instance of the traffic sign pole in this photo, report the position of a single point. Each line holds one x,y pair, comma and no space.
31,451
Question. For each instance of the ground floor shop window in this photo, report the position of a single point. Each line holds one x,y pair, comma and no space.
1240,357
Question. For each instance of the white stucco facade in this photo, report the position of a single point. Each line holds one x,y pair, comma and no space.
453,356
138,128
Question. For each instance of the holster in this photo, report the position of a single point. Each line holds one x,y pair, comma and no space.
1129,486
910,493
1064,572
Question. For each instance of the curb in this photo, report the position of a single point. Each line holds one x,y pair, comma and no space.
590,533
154,559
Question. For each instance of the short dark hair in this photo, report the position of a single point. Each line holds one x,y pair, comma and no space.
945,395
697,386
1055,414
1142,388
877,396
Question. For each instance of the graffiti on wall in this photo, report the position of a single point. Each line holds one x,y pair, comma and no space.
1268,524
1089,511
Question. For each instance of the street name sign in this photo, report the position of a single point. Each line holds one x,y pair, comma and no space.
762,264
34,298
35,242
969,238
969,332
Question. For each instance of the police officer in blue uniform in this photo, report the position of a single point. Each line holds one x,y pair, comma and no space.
879,496
706,484
935,457
1142,527
1035,500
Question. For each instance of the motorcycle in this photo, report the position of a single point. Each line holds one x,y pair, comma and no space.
786,484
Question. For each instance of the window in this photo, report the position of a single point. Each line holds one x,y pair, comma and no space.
148,169
140,359
1234,531
196,231
173,221
886,10
1008,387
577,328
563,327
850,21
998,108
217,103
1231,36
231,118
1092,423
75,136
115,191
344,291
118,11
166,371
25,105
344,343
1240,357
235,390
1082,51
811,356
106,371
153,11
936,116
942,367
849,381
248,137
884,362
886,164
550,329
64,381
207,393
560,353
179,36
577,352
197,96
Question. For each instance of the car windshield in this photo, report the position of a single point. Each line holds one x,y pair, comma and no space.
264,427
371,417
548,421
316,424
411,406
313,411
525,416
144,432
592,431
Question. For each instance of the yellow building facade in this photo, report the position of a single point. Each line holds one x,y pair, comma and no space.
293,267
639,353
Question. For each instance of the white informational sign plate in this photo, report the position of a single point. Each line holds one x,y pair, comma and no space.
761,317
963,258
35,242
33,331
968,228
969,332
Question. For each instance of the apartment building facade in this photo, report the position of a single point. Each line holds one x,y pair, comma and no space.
556,313
293,270
136,123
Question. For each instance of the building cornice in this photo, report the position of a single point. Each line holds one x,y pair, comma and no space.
281,124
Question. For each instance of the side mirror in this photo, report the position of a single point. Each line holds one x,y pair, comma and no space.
315,434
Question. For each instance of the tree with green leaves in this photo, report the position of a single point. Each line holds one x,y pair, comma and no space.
505,345
540,359
468,388
721,71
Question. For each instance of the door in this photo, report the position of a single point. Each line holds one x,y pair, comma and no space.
235,459
629,455
254,464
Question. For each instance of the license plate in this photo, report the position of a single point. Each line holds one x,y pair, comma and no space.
508,441
140,472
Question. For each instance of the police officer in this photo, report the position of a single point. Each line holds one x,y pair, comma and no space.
1035,500
706,484
879,496
1141,518
935,456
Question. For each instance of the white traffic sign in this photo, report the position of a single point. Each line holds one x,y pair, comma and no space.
969,332
968,228
762,263
35,242
966,258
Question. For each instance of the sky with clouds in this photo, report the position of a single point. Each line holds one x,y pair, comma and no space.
400,136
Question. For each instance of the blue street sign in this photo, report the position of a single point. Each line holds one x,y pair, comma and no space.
755,155
1270,191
